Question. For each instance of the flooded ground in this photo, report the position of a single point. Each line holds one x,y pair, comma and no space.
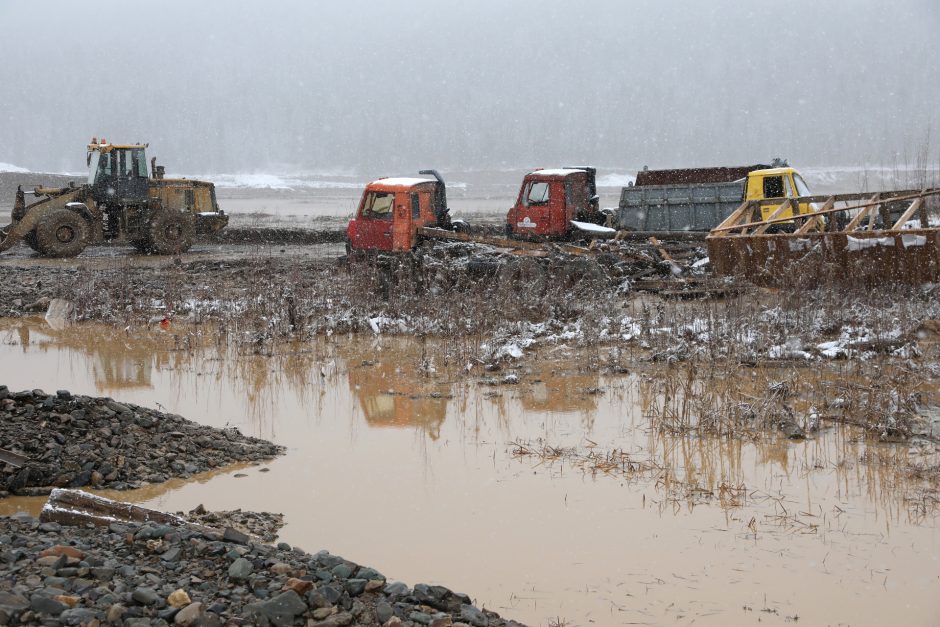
421,472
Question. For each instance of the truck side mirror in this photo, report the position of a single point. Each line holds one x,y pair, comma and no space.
595,199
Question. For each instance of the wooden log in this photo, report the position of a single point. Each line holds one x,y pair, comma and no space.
76,507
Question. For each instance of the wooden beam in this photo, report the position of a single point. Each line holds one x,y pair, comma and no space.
908,214
776,213
732,219
863,212
816,218
873,212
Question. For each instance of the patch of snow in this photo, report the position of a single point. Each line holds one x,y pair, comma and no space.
797,245
272,181
592,228
910,241
401,181
556,171
616,180
861,243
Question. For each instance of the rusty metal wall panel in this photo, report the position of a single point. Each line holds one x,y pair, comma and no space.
861,258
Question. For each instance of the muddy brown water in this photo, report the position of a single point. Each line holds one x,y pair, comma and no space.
413,471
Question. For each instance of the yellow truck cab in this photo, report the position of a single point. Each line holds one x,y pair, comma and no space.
774,185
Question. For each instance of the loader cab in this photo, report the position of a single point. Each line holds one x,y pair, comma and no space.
550,199
117,174
390,212
775,185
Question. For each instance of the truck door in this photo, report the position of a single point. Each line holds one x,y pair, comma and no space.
533,215
374,225
130,182
402,221
578,197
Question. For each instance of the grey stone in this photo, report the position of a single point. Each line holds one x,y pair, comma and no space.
330,593
327,560
173,555
279,611
236,536
355,587
145,596
397,589
472,615
192,614
370,573
13,601
118,408
342,571
337,620
46,605
383,611
240,569
79,616
420,617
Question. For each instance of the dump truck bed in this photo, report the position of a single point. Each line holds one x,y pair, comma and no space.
677,207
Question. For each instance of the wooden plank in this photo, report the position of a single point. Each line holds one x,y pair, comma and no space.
873,212
915,206
735,216
813,220
674,267
776,213
499,242
862,214
14,459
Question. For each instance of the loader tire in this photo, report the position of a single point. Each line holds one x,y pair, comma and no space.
30,239
170,233
62,233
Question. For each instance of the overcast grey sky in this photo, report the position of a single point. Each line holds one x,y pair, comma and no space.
220,86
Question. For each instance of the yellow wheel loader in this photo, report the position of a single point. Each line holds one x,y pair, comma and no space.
120,202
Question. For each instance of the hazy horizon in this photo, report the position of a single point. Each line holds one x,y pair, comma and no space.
298,87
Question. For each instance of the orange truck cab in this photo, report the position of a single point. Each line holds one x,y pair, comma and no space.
392,210
551,203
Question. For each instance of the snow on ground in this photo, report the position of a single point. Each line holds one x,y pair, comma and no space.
9,167
274,181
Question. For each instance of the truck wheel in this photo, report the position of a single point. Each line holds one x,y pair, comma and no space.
170,232
62,233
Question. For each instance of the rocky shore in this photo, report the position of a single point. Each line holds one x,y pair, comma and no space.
75,441
134,575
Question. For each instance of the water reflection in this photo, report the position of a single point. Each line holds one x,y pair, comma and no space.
395,387
403,466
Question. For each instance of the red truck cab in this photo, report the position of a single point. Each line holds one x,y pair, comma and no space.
549,200
392,210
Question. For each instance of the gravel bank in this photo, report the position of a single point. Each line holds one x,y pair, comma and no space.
75,441
160,575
